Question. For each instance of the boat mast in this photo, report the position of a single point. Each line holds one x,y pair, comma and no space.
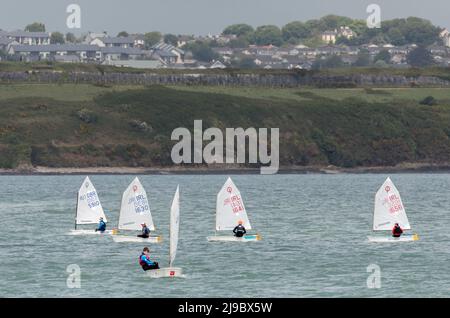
76,210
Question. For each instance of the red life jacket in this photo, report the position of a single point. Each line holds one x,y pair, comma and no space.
141,262
397,231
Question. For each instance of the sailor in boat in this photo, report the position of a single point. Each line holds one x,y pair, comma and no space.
101,226
145,231
239,230
145,262
397,230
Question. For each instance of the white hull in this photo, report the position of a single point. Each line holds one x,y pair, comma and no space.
135,239
390,239
165,272
89,232
228,238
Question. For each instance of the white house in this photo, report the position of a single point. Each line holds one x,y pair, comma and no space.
445,36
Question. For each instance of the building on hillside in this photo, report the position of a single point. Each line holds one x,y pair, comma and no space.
329,37
124,42
445,36
169,53
30,53
28,38
217,65
123,53
92,36
332,36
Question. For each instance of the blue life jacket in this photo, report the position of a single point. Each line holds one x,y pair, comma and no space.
101,226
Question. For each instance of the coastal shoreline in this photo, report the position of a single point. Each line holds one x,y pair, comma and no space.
403,168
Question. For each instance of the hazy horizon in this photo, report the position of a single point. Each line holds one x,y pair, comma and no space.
201,17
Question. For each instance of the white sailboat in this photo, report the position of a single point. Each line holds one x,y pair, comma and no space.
135,211
230,209
89,209
174,232
389,209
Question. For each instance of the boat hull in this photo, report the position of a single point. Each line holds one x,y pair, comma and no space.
89,232
169,272
228,238
135,239
390,239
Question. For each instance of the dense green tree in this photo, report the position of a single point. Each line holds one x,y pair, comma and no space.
57,38
333,61
268,34
171,39
238,29
239,42
71,38
35,27
363,59
295,31
151,38
420,57
202,51
122,34
245,62
384,56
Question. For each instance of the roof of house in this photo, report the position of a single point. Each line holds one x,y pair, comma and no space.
118,40
20,33
55,48
161,46
163,53
122,50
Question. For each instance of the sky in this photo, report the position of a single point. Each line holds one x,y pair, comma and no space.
202,17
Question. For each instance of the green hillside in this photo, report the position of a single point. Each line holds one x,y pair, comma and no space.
90,126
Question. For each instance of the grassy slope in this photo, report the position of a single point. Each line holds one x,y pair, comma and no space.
345,127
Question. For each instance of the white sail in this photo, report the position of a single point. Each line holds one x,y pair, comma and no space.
174,225
135,209
230,208
89,208
389,208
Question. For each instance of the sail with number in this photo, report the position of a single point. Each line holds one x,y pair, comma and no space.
135,208
174,226
389,208
89,208
230,208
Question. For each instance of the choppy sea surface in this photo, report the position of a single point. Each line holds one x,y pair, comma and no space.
314,238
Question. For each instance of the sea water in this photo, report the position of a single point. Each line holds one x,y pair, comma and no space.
314,238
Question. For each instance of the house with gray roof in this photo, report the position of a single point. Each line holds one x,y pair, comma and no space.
123,53
47,52
124,42
28,38
169,53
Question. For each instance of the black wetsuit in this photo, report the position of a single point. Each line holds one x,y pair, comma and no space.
145,232
239,231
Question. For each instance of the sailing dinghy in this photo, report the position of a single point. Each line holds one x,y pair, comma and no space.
135,211
229,210
89,209
174,231
389,209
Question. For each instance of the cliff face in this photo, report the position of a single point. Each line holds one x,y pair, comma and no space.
291,79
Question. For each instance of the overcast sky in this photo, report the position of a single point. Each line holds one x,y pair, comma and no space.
203,16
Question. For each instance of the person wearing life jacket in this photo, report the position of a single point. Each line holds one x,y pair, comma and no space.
397,230
145,231
239,230
145,262
101,226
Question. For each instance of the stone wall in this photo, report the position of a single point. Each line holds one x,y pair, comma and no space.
267,80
